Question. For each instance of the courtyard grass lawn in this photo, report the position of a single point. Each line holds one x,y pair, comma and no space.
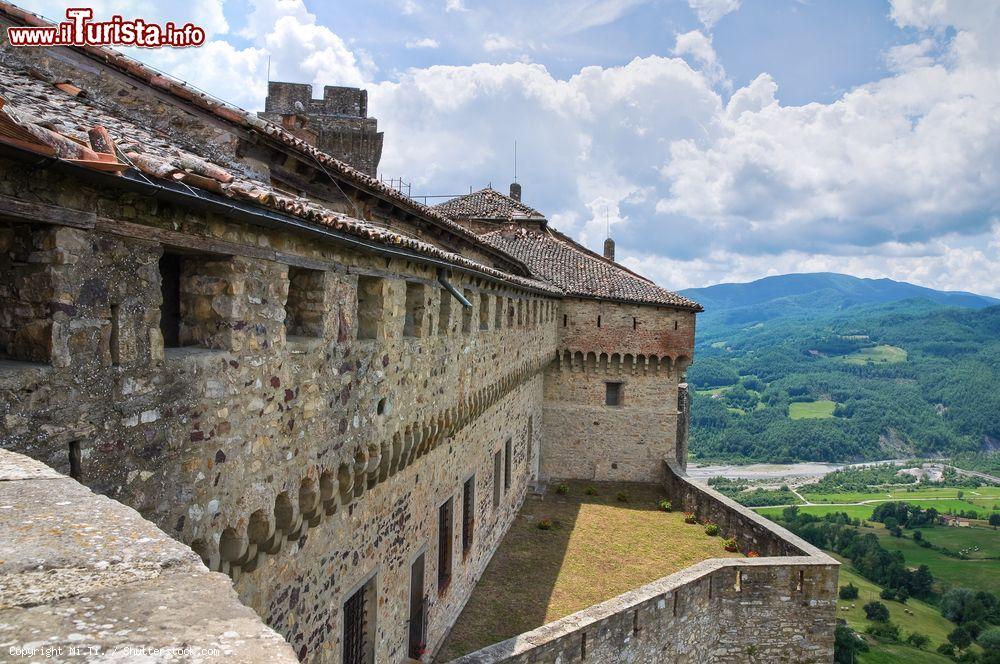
883,353
811,410
600,549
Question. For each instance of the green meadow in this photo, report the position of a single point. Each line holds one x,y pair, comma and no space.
811,410
883,353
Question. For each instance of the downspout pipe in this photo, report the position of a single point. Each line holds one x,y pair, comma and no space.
443,280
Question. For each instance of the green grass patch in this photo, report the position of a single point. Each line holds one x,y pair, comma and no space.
897,653
979,572
883,353
926,619
854,511
949,496
811,410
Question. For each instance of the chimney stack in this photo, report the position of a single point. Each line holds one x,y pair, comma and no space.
609,249
515,191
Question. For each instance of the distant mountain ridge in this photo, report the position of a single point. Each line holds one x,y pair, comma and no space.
814,294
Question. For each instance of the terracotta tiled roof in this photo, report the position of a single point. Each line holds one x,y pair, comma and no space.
556,258
47,118
241,118
486,203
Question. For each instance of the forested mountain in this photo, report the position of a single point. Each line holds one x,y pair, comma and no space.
812,295
850,381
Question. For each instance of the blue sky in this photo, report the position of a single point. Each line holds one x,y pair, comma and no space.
724,139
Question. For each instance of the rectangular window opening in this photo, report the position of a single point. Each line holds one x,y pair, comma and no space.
359,625
413,321
370,304
75,461
507,464
305,305
612,394
468,514
418,609
497,463
170,306
598,321
635,323
116,335
565,320
444,546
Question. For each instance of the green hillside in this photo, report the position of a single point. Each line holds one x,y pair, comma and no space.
865,382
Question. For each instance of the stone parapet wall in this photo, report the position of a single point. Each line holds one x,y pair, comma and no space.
751,531
83,577
768,609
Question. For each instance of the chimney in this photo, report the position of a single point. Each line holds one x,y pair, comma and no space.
609,249
515,191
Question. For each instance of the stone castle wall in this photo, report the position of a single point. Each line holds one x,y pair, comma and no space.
779,608
645,349
284,449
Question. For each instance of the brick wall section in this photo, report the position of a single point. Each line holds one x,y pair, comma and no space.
768,609
644,348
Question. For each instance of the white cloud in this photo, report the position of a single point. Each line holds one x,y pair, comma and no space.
497,42
899,177
425,42
455,6
711,11
949,263
698,46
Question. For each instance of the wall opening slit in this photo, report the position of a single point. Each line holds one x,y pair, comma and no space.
75,461
507,465
170,293
444,546
468,515
418,608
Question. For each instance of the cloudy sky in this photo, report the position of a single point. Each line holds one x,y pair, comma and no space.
724,140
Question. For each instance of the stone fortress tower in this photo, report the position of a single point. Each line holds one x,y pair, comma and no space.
615,401
337,124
